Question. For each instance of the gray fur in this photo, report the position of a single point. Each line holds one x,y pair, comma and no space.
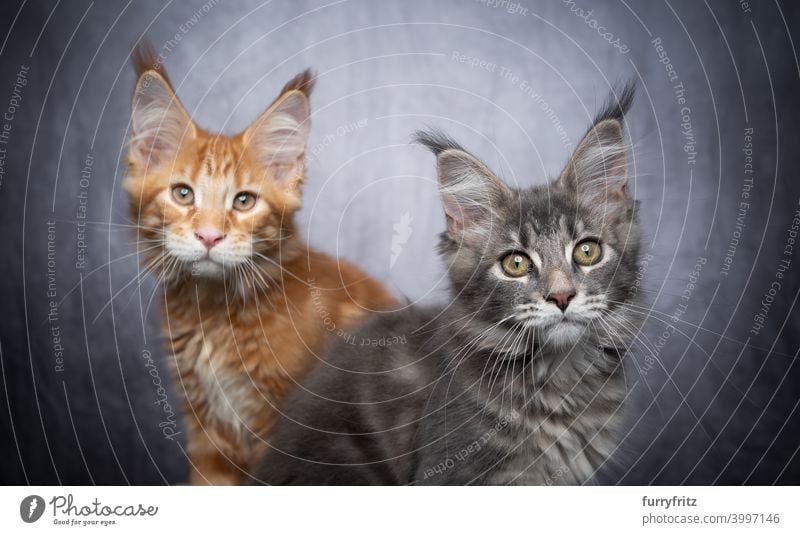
498,387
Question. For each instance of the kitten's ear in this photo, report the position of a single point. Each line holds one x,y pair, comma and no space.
598,170
471,193
278,137
159,121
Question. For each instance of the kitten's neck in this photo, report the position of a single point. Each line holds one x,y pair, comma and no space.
581,385
497,358
263,283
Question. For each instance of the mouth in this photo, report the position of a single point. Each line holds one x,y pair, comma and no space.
552,320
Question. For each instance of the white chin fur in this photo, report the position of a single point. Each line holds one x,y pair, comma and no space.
201,263
564,333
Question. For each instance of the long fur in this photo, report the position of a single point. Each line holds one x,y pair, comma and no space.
244,328
436,141
500,386
145,58
303,82
618,102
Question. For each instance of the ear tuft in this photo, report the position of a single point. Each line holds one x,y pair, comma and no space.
303,82
471,193
436,141
145,58
598,170
617,104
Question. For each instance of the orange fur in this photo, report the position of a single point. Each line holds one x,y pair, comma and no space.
242,328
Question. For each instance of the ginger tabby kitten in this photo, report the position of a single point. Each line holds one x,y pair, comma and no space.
244,298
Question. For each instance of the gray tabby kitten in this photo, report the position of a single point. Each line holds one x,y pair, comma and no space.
518,380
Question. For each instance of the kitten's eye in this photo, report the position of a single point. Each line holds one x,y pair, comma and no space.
587,253
183,195
516,264
244,201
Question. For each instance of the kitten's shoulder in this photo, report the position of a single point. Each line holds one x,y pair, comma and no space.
359,289
384,340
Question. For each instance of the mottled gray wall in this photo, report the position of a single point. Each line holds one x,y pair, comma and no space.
719,403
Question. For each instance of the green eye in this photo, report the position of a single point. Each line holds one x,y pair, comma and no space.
183,195
516,264
244,201
587,253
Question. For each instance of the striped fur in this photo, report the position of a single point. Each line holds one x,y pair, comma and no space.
502,385
245,319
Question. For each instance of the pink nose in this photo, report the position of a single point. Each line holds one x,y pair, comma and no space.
561,299
209,237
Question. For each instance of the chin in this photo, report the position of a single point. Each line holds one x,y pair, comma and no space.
564,333
206,268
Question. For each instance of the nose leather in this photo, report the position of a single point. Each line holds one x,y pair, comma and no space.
561,299
209,237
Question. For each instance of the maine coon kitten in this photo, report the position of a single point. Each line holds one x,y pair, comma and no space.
519,379
245,301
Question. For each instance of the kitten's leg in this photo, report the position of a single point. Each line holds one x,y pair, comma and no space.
212,458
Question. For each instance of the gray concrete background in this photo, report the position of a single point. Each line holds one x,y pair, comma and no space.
718,405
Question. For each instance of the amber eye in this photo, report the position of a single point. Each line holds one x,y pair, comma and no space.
516,264
587,253
183,194
244,201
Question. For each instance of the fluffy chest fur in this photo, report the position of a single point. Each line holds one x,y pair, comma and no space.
542,420
514,380
563,430
424,415
235,357
227,361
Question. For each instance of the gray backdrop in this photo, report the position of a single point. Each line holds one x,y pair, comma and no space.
715,398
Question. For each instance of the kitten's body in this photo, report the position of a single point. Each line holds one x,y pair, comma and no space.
247,306
501,386
236,358
406,419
